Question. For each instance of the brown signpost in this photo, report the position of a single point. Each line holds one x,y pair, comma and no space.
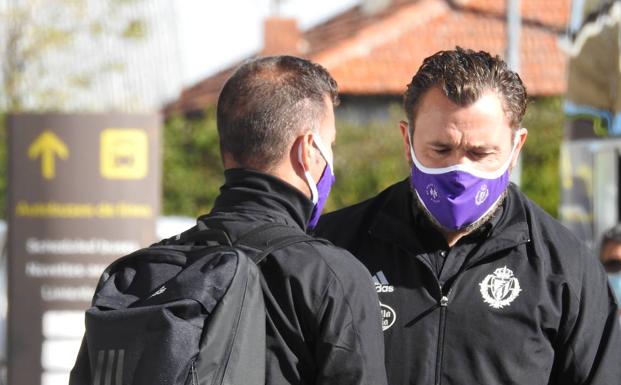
83,190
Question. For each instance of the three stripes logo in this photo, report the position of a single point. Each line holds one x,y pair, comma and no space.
109,370
381,283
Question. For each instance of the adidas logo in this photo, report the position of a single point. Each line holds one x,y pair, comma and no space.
158,292
113,371
381,283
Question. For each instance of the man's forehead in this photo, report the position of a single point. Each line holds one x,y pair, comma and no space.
435,99
476,124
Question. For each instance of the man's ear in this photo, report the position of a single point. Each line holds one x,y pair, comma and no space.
405,134
292,170
303,147
521,139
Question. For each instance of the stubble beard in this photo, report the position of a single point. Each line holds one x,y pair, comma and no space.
466,229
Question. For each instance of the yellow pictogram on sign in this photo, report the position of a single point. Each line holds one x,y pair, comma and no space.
123,153
48,146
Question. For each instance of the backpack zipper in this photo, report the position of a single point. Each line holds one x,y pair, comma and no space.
219,377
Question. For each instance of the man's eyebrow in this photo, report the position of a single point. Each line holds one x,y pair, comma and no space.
449,144
441,143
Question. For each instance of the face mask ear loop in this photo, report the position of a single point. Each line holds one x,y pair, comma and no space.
414,160
324,151
309,179
515,144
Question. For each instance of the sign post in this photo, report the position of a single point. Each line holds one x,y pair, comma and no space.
83,190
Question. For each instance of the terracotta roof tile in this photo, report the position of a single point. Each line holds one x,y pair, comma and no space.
378,54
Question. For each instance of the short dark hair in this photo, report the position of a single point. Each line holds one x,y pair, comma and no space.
613,234
266,103
463,75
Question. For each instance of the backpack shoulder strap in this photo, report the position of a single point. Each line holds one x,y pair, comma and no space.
199,234
270,237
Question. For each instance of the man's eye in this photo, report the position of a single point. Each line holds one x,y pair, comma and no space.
478,154
442,150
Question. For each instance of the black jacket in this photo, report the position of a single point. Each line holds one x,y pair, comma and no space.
530,305
322,310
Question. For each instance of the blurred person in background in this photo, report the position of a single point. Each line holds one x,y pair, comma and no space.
478,285
610,255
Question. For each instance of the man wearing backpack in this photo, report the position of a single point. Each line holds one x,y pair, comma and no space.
195,309
276,125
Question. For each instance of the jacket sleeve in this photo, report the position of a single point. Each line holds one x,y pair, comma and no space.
350,342
81,372
591,348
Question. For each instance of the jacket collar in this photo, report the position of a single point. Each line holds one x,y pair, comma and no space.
396,221
512,229
247,190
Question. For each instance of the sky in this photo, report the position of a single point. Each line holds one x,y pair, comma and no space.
214,34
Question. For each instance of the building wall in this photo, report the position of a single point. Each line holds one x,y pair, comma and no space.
367,109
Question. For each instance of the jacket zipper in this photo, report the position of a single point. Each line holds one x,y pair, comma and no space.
443,303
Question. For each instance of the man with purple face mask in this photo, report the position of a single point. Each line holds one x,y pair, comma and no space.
276,126
477,284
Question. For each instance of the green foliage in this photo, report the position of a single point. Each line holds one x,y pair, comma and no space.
367,159
372,157
193,171
41,44
541,153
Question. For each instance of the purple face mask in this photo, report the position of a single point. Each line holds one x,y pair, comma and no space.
321,190
459,195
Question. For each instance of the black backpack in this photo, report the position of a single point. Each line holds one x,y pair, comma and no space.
187,310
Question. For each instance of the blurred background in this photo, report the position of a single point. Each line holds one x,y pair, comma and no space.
110,63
